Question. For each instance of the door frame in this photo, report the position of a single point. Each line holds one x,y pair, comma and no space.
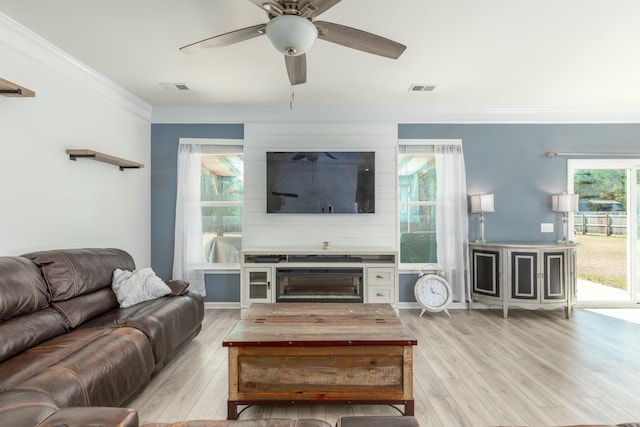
633,252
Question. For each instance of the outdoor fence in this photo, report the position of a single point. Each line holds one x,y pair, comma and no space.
603,224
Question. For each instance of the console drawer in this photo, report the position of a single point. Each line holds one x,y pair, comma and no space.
380,294
381,276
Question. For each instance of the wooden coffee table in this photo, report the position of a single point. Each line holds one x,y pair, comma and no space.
289,353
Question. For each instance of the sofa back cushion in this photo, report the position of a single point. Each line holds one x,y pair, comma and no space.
78,310
73,272
23,332
22,290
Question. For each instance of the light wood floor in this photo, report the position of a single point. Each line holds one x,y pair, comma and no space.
475,369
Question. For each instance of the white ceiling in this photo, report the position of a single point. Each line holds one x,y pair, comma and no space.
492,53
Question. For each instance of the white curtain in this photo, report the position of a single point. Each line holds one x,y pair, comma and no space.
187,252
452,219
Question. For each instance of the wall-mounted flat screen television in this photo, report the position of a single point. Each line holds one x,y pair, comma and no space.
320,182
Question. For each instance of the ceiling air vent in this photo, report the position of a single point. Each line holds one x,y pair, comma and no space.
421,88
174,86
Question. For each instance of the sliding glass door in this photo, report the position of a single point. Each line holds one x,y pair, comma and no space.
606,227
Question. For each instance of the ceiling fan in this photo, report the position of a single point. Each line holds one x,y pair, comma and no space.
292,29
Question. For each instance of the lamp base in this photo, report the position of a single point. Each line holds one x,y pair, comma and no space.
480,241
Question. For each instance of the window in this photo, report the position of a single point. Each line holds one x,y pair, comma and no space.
221,197
432,206
606,228
417,190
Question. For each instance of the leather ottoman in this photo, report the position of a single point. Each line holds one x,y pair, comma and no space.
379,421
273,422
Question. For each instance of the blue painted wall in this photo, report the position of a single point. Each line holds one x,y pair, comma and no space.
505,159
509,161
165,139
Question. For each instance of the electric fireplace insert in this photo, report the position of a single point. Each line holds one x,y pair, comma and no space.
337,284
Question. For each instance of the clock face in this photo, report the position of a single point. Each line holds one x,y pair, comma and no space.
433,293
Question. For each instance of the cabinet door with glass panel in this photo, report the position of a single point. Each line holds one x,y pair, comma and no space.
259,287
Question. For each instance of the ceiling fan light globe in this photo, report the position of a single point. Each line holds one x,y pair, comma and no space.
291,35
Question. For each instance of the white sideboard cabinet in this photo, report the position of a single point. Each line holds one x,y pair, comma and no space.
319,275
524,275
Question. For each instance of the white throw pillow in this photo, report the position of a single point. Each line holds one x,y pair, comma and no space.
134,287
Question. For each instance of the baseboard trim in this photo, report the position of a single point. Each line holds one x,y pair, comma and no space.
221,305
402,306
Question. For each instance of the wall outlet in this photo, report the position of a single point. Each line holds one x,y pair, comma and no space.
546,227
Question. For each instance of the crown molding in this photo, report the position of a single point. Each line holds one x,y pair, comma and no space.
449,115
30,44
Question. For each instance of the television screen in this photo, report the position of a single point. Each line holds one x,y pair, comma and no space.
317,182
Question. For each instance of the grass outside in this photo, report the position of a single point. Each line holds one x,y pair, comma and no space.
602,259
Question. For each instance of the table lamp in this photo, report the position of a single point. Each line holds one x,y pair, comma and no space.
564,203
481,203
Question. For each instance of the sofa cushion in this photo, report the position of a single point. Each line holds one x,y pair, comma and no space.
24,408
92,417
73,272
134,287
22,289
23,332
20,368
168,322
85,367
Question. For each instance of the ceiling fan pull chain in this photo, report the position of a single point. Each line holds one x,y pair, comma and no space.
293,97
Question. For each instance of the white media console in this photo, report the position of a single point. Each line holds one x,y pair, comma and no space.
361,275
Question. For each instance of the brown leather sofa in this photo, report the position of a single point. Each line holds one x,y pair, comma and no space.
65,343
70,356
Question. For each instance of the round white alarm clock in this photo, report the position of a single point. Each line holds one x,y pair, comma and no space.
433,293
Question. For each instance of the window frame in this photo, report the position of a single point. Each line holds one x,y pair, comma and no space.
428,144
221,268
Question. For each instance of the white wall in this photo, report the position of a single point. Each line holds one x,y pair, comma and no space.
378,230
48,201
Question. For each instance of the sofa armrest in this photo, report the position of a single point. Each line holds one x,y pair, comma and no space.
92,417
178,287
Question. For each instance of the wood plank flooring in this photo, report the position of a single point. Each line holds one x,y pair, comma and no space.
473,369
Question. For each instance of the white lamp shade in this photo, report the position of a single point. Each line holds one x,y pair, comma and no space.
292,35
564,202
481,203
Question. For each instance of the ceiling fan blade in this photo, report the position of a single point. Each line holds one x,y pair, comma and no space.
296,68
358,39
226,39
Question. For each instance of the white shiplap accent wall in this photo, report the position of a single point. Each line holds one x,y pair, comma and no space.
262,230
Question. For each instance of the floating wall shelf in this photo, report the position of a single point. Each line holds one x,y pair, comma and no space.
94,155
8,88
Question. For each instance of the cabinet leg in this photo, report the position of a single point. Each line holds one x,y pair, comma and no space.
568,311
408,407
505,311
232,410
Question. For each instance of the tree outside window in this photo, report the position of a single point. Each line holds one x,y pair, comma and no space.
417,206
222,193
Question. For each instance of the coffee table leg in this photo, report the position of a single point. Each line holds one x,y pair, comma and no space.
232,410
408,407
